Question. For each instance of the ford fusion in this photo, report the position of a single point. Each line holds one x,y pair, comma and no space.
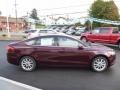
59,50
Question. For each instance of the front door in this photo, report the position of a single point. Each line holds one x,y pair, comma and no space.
105,35
94,35
72,54
46,51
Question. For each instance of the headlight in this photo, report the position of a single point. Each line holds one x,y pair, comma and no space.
109,53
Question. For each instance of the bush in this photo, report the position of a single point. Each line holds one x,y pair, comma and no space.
24,37
4,35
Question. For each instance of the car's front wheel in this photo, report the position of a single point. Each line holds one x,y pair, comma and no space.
99,64
27,63
119,44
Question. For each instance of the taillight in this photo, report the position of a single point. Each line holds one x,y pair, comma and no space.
10,49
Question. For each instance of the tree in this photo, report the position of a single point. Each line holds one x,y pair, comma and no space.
97,8
88,25
111,11
104,10
34,14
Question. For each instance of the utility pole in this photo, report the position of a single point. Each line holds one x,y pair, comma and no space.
8,29
91,25
16,15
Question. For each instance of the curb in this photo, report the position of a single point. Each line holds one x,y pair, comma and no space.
7,84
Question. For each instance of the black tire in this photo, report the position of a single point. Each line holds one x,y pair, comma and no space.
119,44
84,39
27,63
99,64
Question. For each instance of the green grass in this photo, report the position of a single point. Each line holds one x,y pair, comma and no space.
39,26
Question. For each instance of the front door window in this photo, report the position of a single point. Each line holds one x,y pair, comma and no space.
67,42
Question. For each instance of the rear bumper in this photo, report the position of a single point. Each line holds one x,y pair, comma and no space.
12,58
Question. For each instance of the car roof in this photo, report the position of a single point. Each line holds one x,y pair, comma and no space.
58,35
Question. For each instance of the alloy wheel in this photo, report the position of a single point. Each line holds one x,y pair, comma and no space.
99,64
27,63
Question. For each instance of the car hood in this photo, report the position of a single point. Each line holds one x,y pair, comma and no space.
99,47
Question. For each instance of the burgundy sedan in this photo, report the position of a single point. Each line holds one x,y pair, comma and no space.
59,50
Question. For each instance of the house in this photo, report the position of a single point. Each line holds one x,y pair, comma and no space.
47,21
30,23
55,21
12,23
61,21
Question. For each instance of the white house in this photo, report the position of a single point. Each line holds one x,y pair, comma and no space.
61,21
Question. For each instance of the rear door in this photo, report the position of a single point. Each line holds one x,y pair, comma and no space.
94,35
115,35
46,50
105,35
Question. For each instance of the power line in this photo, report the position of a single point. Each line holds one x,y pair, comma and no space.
63,7
65,13
66,7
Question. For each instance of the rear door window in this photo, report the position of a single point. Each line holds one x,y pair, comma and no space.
30,42
45,41
104,30
42,41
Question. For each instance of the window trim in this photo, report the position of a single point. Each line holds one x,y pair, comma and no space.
55,41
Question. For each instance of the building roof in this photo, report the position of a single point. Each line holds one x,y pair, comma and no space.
11,19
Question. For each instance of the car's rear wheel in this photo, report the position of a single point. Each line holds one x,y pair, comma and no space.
84,39
99,64
27,63
119,44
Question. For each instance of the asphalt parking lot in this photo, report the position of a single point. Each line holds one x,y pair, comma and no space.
51,78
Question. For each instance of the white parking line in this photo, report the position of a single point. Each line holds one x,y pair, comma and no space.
10,83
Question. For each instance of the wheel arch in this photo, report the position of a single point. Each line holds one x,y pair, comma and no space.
118,41
27,56
83,37
101,56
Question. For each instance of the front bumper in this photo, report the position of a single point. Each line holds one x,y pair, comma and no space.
112,60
